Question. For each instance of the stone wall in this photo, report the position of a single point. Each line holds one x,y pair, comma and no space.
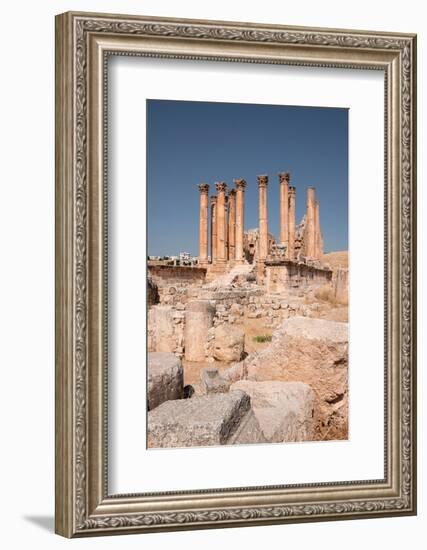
270,309
166,323
164,274
282,277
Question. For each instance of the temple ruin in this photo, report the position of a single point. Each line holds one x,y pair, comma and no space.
298,250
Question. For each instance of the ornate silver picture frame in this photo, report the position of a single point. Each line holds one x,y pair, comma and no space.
84,42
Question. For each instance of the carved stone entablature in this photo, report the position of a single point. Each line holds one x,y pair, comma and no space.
240,184
262,181
221,187
284,177
204,188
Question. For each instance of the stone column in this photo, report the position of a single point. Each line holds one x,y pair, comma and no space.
291,223
199,316
232,225
310,228
227,244
263,218
240,220
318,248
213,229
203,227
221,188
284,178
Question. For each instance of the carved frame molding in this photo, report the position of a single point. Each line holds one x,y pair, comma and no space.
83,43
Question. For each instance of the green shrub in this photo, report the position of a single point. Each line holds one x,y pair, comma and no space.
262,338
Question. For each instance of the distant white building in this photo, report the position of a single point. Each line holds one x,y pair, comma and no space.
185,258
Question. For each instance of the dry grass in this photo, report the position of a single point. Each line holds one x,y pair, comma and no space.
325,293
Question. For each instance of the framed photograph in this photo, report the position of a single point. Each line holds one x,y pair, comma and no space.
235,274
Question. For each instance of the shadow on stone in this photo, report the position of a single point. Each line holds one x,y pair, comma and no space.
188,391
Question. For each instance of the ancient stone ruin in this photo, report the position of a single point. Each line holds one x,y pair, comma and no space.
251,344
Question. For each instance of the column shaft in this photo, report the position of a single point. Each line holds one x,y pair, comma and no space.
203,225
310,228
291,226
232,225
213,229
221,228
240,219
263,218
284,207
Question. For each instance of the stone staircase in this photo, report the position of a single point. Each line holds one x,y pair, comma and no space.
225,279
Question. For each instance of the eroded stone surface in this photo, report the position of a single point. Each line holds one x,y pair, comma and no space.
165,378
213,382
229,343
313,351
220,419
284,410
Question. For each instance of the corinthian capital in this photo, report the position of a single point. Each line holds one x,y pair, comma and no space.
262,181
221,187
284,177
240,184
203,188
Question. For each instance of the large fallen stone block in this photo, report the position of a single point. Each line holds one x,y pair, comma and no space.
313,351
165,378
284,410
229,343
199,316
220,419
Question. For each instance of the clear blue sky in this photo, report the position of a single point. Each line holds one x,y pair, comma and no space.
193,142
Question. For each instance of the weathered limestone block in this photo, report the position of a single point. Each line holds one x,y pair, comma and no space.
229,343
213,382
220,419
163,328
199,317
313,351
311,329
284,410
236,309
235,372
165,378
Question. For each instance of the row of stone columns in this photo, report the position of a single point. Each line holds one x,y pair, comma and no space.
227,223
